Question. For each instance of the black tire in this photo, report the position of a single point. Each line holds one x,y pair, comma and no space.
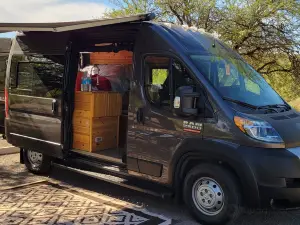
229,207
42,166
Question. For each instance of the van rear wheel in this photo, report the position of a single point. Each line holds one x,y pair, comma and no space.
36,162
212,194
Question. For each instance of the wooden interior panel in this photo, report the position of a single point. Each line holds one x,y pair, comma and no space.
122,57
81,113
81,141
107,104
81,130
81,122
81,146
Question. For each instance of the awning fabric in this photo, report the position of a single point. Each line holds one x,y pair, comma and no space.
69,26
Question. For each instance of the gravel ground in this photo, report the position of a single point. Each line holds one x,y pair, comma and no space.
12,173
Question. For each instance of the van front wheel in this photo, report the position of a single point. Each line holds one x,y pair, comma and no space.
212,194
36,162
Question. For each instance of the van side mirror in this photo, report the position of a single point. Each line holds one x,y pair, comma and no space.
185,102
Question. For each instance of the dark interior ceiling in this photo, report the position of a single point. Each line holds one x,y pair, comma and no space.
122,36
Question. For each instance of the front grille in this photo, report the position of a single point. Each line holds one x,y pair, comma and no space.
292,182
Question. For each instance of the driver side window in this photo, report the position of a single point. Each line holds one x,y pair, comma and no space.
157,80
163,78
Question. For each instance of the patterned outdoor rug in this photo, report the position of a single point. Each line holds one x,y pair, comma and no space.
49,203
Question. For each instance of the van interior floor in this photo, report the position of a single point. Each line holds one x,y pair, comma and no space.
112,155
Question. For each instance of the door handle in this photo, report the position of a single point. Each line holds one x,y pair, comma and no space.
140,116
54,105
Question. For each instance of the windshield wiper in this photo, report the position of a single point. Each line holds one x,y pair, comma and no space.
240,103
275,106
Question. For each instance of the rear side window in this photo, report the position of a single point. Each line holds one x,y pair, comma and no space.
38,75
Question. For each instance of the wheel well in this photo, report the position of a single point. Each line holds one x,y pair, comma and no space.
188,164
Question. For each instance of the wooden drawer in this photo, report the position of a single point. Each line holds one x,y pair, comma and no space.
86,106
107,124
103,133
82,114
81,122
104,140
83,97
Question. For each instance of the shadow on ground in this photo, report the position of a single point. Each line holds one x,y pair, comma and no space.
14,175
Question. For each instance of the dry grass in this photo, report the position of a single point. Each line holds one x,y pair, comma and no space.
295,104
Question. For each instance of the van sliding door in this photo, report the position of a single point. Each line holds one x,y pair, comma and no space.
35,102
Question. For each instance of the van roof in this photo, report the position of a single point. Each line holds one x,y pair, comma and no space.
197,41
69,26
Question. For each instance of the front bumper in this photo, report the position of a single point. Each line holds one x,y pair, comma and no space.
277,174
280,197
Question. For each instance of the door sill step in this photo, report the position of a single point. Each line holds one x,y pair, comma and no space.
103,158
133,184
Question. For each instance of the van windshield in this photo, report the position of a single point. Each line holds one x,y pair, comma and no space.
236,80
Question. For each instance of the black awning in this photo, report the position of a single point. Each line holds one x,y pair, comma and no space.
69,26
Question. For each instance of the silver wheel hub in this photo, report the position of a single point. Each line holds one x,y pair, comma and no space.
35,158
208,196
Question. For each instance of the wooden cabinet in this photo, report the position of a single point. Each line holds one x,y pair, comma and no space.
96,120
99,104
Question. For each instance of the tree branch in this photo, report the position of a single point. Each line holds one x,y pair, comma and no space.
266,64
176,14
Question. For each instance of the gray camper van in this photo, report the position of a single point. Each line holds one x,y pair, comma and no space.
202,124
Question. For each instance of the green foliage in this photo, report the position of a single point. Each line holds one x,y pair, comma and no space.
131,7
159,76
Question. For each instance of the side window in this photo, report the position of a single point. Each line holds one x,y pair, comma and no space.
157,80
163,77
39,76
181,76
24,76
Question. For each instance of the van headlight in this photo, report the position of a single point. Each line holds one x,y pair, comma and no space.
257,129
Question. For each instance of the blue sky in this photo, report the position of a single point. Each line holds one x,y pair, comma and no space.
51,10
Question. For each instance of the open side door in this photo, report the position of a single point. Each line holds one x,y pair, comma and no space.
34,84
